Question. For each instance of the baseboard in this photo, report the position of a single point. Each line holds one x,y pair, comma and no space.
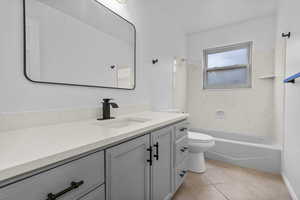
289,187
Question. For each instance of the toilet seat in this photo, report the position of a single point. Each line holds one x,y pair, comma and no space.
199,137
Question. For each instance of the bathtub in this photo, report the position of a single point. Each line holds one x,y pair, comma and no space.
247,152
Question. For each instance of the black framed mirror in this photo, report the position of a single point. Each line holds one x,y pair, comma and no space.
78,43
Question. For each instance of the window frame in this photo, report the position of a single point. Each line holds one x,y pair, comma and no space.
206,52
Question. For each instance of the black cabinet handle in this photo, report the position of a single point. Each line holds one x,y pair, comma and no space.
73,186
183,129
157,151
183,172
150,156
184,149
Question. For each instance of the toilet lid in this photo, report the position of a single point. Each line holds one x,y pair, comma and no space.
200,137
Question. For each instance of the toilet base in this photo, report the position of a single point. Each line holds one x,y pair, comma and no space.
197,162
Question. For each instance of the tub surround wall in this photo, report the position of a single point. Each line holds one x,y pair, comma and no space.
247,111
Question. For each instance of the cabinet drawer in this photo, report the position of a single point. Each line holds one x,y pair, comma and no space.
181,150
97,194
181,129
180,173
88,169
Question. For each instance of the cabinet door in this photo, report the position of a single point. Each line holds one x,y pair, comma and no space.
162,170
127,170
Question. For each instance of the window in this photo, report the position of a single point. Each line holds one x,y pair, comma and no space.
228,67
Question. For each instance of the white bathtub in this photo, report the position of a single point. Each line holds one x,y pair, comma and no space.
262,157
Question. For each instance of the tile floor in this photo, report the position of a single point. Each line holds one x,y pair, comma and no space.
228,182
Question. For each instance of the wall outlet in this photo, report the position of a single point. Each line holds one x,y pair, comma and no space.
220,114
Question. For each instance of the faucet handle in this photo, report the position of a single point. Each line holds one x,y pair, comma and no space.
106,100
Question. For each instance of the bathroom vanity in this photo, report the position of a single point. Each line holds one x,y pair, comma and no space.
134,157
138,156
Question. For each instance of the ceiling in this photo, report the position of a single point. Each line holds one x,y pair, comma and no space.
200,15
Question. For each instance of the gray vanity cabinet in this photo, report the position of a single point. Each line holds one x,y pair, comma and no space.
88,171
181,153
97,194
127,170
150,167
130,175
161,170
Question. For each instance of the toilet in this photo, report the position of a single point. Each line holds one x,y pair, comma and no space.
198,144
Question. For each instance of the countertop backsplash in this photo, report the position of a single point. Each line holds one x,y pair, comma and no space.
29,119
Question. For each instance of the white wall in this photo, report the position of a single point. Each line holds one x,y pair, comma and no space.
180,85
158,36
289,21
247,111
279,89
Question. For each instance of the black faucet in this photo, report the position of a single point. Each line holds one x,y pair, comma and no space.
106,109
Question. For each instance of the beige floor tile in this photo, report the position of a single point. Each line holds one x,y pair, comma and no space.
234,174
209,193
227,175
251,192
202,193
185,192
197,180
238,192
218,164
217,176
235,183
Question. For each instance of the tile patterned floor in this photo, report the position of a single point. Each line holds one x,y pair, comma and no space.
228,182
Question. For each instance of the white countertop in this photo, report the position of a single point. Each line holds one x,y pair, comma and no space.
25,150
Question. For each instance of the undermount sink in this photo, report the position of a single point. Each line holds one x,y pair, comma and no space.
121,123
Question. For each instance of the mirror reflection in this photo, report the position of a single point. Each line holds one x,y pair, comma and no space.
79,43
